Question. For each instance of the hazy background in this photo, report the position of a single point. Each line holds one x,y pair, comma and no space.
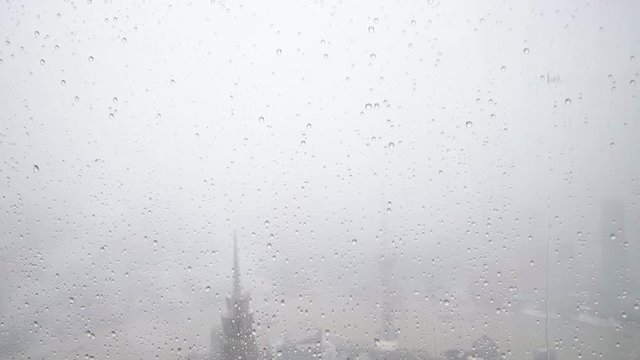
469,141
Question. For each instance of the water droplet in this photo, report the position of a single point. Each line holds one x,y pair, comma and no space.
261,119
279,52
36,168
391,145
124,40
612,144
371,29
354,241
375,20
525,51
207,289
308,125
42,61
368,106
115,100
613,237
372,56
413,22
63,82
468,124
567,101
503,68
90,58
632,82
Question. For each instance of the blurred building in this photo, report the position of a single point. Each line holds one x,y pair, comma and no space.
236,340
615,258
541,354
316,346
485,348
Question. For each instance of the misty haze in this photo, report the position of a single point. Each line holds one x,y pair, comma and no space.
263,180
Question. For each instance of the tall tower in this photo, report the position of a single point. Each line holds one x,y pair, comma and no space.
388,336
238,339
615,257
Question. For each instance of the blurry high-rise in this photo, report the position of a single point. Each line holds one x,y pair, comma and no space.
238,340
615,258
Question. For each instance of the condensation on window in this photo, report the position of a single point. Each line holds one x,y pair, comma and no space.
319,180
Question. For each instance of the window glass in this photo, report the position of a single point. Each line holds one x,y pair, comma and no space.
319,179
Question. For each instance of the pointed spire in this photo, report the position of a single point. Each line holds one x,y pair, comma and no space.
236,268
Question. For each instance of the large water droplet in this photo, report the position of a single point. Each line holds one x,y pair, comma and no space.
469,124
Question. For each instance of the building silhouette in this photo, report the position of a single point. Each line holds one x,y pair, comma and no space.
615,258
237,339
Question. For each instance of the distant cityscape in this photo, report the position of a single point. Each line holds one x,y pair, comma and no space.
236,338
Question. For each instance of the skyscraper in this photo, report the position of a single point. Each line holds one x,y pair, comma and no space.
238,338
615,258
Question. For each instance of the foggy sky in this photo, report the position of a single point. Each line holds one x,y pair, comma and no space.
459,138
